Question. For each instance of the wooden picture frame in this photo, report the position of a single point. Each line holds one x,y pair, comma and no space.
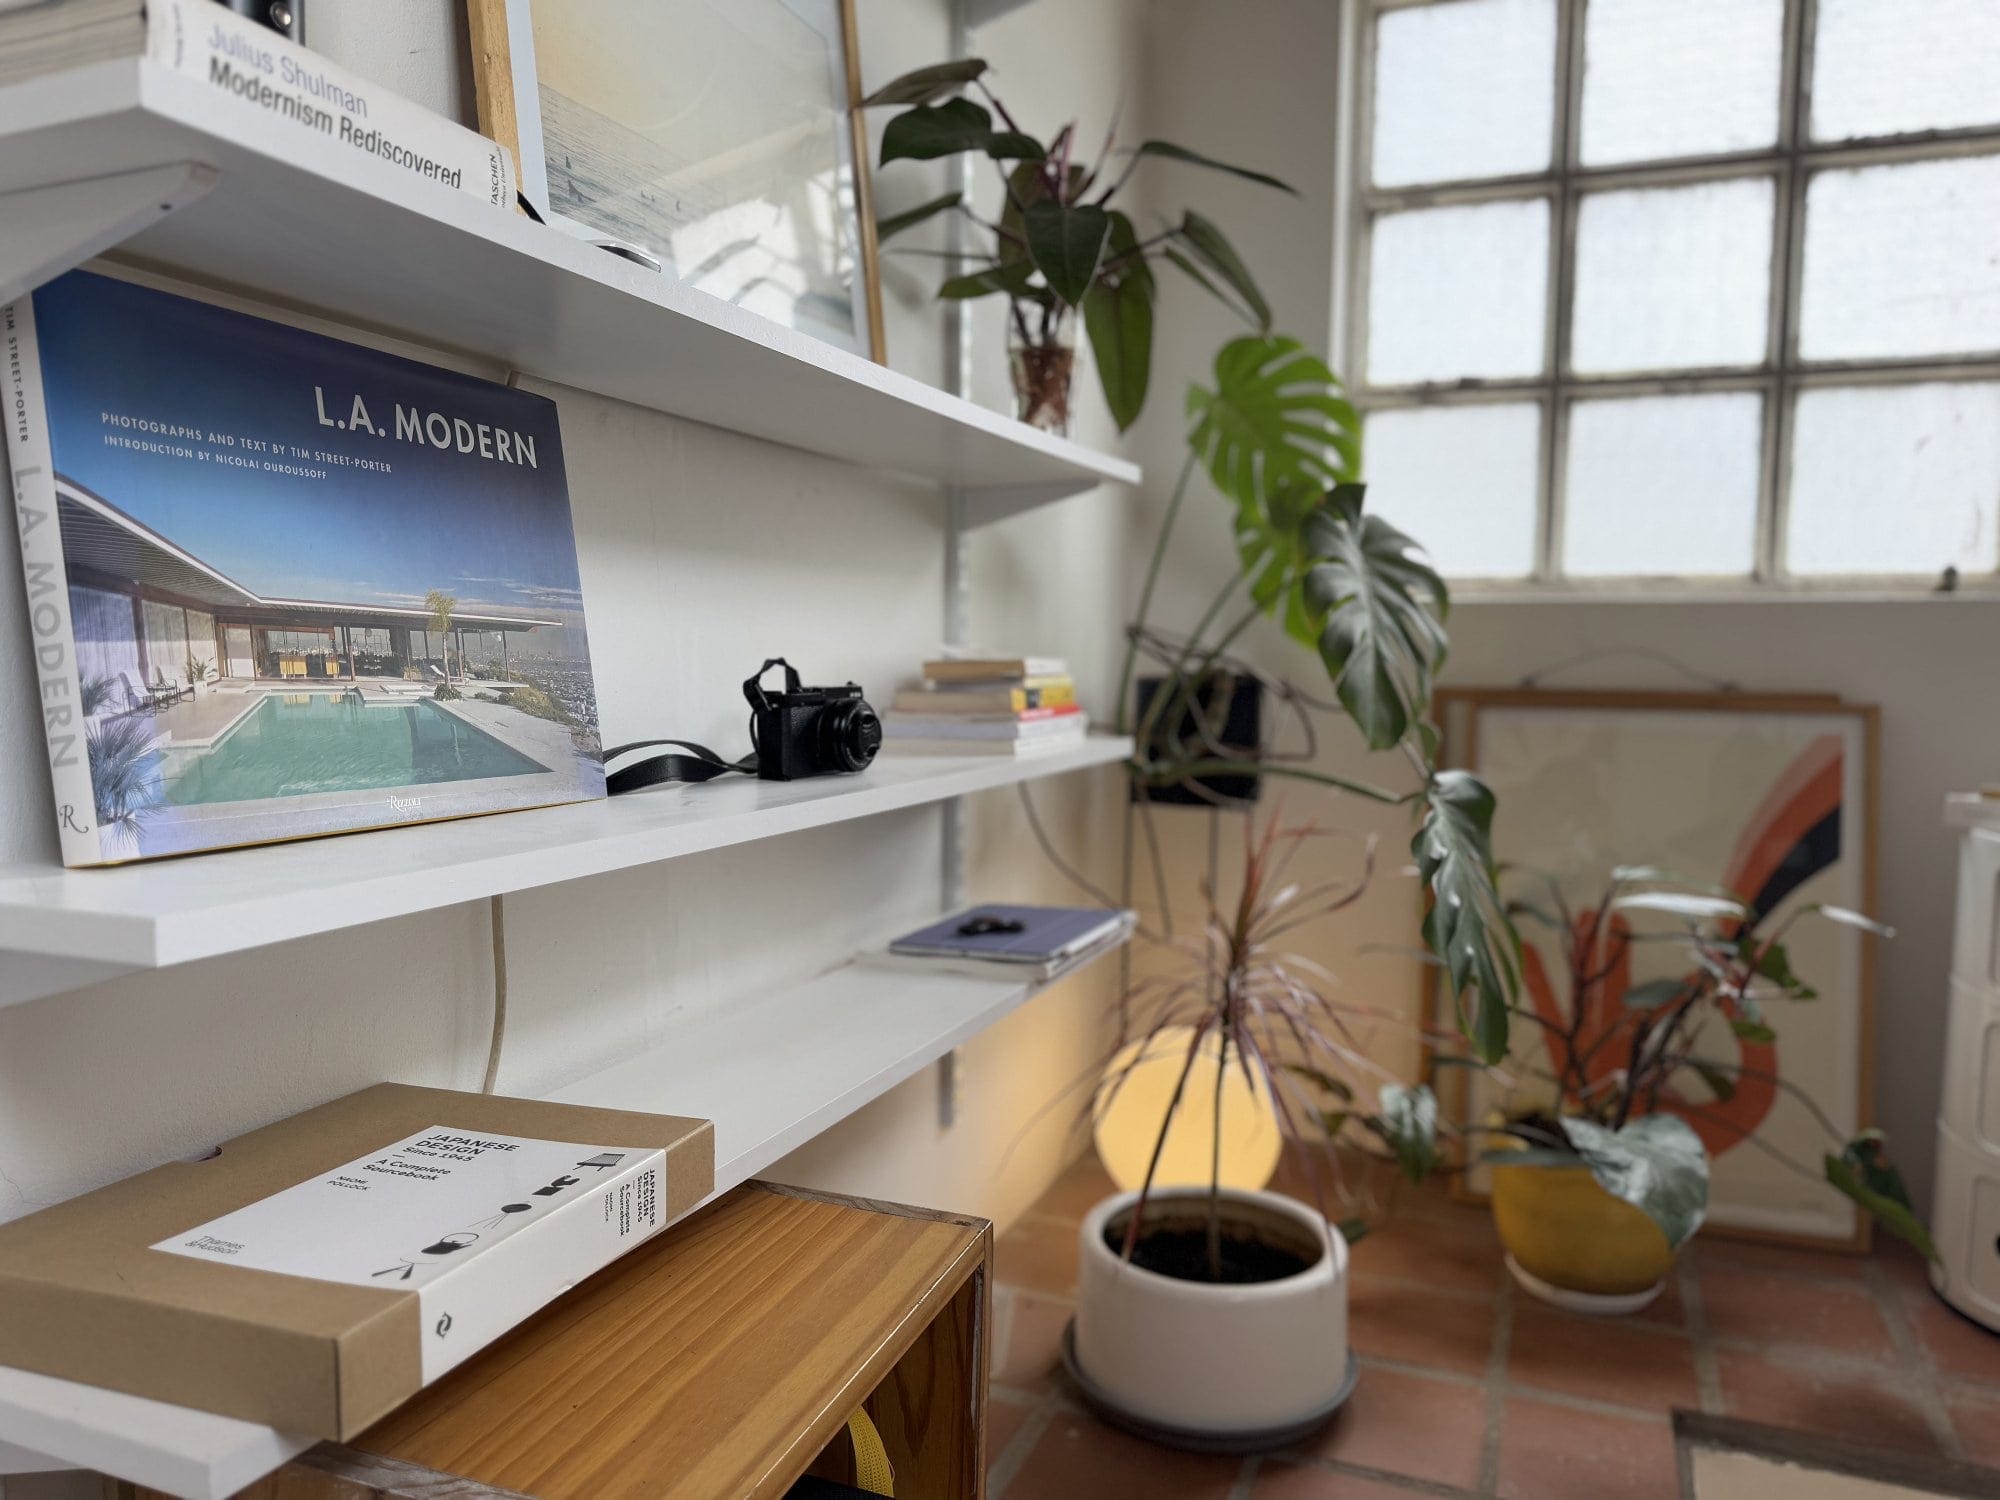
746,270
1757,792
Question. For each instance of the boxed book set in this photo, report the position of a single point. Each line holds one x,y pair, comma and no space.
315,1274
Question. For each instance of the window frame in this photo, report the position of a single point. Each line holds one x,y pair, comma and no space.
1790,164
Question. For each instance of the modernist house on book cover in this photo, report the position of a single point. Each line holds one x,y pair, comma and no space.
282,585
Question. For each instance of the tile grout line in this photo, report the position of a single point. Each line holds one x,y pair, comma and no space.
1921,1372
1495,1385
1246,1479
1707,1370
1001,1470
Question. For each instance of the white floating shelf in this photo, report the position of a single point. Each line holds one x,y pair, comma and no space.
306,223
63,928
771,1074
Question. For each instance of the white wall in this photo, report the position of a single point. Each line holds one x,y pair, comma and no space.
1256,82
702,552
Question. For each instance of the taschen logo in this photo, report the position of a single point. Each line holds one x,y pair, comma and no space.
405,805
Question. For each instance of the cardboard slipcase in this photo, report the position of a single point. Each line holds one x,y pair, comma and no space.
397,1265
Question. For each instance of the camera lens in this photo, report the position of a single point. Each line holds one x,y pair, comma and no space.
849,735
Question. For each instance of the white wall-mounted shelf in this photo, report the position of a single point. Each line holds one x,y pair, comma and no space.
771,1074
299,220
63,928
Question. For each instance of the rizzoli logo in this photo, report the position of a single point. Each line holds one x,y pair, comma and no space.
405,805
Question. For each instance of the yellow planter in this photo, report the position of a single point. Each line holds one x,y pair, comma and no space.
1562,1228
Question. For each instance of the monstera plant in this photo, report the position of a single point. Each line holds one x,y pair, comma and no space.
1282,447
1059,247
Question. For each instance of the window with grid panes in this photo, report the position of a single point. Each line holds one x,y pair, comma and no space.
1691,290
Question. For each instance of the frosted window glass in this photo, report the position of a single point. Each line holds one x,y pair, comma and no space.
1463,480
1903,259
1673,278
1456,292
1680,77
1895,479
1464,90
1662,485
1883,67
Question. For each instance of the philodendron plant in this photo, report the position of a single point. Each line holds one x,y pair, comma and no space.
1060,245
1638,1082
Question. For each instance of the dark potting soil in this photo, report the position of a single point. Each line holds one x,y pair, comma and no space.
1183,1255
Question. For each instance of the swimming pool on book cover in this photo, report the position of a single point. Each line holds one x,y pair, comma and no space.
282,585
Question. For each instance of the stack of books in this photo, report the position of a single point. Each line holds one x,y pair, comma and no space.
1020,705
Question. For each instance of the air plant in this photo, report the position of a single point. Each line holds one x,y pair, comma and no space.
1639,1092
1273,1015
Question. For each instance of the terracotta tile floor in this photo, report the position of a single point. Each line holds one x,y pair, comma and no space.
1471,1389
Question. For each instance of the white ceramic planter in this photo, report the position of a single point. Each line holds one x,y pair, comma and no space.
1212,1359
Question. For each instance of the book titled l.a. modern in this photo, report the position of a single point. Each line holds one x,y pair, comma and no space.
281,585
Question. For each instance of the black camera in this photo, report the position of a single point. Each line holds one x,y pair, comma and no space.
809,731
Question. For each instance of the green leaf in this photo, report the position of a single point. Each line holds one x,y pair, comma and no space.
928,85
1274,435
1408,1123
1194,158
1213,249
1776,965
1718,1080
909,218
1354,1231
1752,1031
1200,278
1010,277
1654,993
1848,918
933,130
1655,1163
1118,316
1659,875
1465,925
1529,1156
1380,604
1696,908
1067,242
1865,1174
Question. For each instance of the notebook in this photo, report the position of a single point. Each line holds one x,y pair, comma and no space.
1014,934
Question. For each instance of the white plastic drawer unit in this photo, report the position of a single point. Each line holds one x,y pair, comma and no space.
1971,1102
1967,1227
1976,945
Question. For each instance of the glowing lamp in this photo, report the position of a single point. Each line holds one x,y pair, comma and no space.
1128,1123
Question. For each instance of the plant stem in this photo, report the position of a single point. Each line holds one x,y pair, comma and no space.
1146,592
1215,1167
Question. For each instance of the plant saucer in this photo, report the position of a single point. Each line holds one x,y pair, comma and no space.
1195,1440
1596,1304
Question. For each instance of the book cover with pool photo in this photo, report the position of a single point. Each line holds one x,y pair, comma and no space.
280,585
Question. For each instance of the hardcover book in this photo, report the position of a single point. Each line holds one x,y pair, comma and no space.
281,585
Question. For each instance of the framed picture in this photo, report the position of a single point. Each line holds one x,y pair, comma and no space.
1771,797
720,138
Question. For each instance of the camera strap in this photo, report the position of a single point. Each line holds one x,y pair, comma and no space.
703,764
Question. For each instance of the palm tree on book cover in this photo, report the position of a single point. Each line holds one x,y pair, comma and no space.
442,607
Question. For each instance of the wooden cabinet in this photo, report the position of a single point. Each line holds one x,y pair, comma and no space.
720,1360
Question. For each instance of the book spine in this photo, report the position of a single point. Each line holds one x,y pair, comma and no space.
58,690
236,56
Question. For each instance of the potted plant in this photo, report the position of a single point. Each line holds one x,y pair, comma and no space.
1601,1176
1059,248
1211,1316
199,670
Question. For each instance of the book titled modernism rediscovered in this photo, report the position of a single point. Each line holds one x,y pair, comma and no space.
281,585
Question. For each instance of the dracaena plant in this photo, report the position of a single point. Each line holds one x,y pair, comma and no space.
1281,445
1270,1013
1636,1080
1060,245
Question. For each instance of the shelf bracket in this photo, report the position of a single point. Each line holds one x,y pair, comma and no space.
987,503
45,231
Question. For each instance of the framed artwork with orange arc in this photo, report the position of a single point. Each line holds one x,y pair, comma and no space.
1770,796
